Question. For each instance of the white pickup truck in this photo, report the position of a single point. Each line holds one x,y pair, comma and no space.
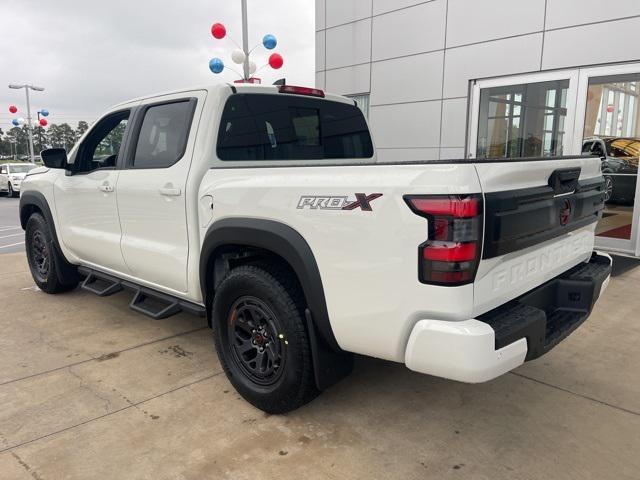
265,209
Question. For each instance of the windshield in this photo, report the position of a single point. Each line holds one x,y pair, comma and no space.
21,168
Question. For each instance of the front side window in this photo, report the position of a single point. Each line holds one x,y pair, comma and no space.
289,127
523,120
101,147
163,135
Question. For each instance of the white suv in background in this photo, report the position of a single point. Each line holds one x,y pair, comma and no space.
11,176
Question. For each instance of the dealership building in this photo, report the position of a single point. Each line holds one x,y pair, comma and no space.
454,79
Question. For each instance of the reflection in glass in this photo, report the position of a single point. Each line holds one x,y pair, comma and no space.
612,132
522,120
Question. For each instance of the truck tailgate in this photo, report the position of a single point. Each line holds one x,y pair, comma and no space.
540,219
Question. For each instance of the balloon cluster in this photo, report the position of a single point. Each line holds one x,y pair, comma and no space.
17,122
238,56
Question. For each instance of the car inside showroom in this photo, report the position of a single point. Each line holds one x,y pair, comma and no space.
545,78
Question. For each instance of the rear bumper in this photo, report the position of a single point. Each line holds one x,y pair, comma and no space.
481,349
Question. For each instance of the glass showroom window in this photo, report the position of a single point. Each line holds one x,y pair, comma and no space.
522,120
612,132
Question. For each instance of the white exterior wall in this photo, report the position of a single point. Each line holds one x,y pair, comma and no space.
417,58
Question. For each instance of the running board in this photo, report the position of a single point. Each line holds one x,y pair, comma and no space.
154,305
101,285
149,302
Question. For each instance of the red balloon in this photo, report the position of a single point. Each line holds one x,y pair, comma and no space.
276,61
218,31
43,122
13,108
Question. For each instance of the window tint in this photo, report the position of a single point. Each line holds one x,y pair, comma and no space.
101,147
586,148
163,135
3,169
289,127
363,101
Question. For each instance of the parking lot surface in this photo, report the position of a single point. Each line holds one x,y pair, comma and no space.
11,234
91,390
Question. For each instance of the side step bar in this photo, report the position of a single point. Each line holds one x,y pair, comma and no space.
149,302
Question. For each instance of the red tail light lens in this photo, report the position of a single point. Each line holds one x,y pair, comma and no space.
451,254
310,92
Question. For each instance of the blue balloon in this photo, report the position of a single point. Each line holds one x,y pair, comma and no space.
44,112
216,65
15,122
269,42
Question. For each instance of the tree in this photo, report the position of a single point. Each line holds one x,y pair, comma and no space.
82,127
39,139
55,136
68,136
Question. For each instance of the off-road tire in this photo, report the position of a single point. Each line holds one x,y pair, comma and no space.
44,259
275,292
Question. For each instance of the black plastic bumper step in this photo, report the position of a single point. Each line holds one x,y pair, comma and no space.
548,314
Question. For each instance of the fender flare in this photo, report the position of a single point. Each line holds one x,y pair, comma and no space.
37,199
285,242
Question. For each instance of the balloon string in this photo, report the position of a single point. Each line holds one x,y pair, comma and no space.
237,73
236,43
265,65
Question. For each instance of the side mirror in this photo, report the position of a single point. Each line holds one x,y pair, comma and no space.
54,157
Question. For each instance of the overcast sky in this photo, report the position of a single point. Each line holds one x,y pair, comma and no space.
94,53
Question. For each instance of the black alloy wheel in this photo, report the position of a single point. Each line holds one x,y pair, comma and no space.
256,340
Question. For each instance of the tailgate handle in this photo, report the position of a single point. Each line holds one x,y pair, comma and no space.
564,180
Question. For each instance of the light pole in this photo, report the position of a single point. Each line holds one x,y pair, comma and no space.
29,124
245,40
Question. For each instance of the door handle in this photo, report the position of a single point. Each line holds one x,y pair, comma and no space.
170,192
106,188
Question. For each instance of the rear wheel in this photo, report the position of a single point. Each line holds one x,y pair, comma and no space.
261,339
44,259
11,193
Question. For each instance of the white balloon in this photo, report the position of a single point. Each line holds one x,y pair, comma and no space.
237,56
252,67
21,121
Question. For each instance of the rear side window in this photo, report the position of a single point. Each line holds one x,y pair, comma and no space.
163,134
288,127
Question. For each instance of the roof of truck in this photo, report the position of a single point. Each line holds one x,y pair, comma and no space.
237,87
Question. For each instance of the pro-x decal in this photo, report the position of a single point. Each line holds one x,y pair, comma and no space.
318,202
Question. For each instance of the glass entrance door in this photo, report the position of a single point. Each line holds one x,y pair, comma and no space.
608,126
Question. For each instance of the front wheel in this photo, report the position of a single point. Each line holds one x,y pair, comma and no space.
261,339
608,188
11,192
44,259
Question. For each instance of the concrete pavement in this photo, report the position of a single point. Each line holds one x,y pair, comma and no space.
90,389
11,234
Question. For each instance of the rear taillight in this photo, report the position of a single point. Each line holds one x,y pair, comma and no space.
310,92
451,254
